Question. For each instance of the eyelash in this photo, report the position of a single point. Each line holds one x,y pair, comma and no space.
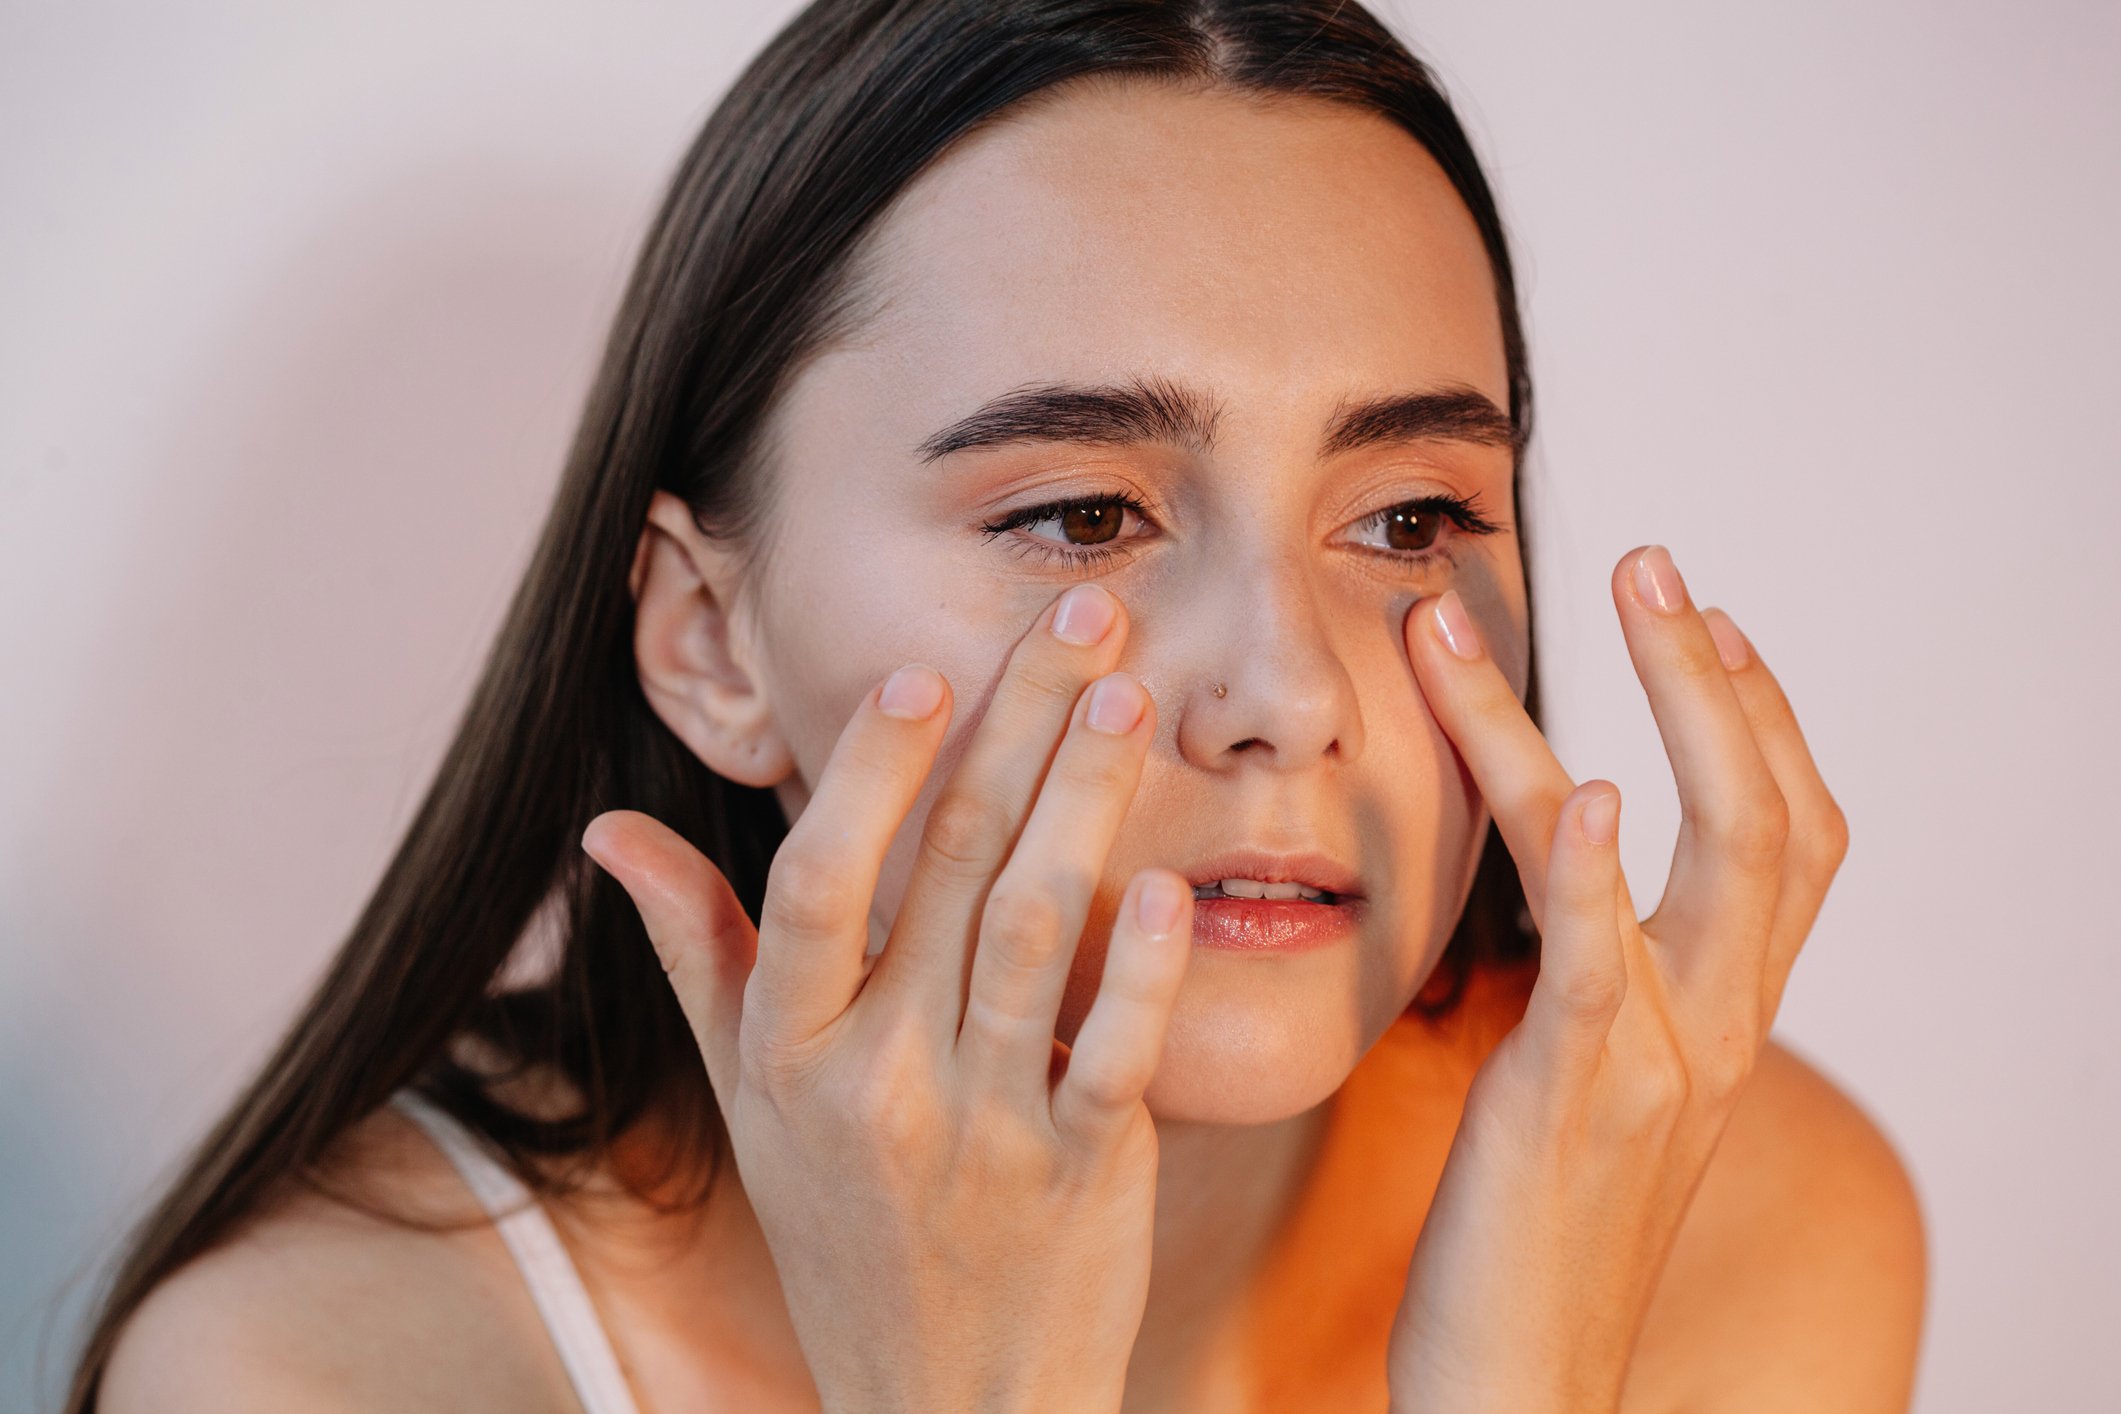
1463,512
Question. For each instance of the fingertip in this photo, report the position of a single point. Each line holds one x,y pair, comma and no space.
1732,646
912,694
1161,899
1444,621
597,840
1624,571
1598,811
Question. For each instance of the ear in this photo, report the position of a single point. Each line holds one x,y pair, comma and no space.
694,649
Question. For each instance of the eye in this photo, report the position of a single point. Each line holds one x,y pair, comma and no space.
1414,528
1089,527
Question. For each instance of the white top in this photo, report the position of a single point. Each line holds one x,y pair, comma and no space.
555,1285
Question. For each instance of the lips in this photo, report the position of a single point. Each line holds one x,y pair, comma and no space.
1264,926
1310,870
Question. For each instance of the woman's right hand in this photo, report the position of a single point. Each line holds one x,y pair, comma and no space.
959,1206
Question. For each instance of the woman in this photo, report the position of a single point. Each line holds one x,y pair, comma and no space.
1052,495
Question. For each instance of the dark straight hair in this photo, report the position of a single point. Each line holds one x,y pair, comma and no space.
744,273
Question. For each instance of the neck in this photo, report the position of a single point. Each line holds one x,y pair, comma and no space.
1224,1194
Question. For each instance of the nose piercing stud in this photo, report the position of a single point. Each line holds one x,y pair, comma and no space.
1220,690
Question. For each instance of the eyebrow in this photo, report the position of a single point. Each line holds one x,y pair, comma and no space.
1144,410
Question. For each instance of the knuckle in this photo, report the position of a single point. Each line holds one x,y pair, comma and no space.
804,892
1047,680
1827,840
1109,1089
1099,1088
1726,1066
1658,1088
1021,924
882,1105
964,832
1754,836
784,1074
1096,772
1594,993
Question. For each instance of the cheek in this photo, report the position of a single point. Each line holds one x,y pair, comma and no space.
840,635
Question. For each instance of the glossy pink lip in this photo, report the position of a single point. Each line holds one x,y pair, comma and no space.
1272,924
1269,924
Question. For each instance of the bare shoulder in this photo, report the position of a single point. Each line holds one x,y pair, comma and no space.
315,1304
1799,1278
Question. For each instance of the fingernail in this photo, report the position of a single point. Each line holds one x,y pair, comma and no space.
1454,628
1115,705
1600,815
1156,906
1085,615
1657,581
590,849
1731,645
913,692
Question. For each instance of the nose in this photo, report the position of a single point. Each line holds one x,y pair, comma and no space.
1262,632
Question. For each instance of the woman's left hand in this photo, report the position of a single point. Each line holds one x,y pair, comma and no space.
1587,1130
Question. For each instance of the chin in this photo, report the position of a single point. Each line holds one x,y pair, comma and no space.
1240,1058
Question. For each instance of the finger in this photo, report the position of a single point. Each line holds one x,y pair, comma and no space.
1719,899
1818,840
699,930
978,813
814,924
1035,915
1583,976
1121,1039
1504,751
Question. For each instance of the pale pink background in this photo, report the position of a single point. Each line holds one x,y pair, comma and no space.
297,305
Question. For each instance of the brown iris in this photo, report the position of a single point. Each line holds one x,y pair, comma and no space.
1410,527
1096,523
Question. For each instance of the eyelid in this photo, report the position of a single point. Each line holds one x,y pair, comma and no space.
1463,512
1059,505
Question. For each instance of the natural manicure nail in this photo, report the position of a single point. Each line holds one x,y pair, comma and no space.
1601,813
1731,645
1157,906
1115,706
1454,627
1657,581
913,692
1085,615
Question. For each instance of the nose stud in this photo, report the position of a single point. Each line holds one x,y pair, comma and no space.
1220,690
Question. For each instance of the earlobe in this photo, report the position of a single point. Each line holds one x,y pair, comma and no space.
693,648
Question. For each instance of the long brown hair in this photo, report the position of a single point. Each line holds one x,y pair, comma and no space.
743,274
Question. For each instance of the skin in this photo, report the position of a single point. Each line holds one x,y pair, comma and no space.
1298,1165
1058,247
1220,243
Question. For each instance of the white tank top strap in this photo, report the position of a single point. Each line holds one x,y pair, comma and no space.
555,1284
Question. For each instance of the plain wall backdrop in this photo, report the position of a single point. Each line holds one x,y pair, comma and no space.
298,305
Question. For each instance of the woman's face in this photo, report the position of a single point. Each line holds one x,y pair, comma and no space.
1279,263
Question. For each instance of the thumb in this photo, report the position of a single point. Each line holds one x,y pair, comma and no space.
701,935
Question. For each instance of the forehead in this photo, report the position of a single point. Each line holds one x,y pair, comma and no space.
1265,248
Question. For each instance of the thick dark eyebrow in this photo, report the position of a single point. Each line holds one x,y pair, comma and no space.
1158,410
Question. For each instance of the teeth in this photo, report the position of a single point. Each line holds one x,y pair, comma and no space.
1254,888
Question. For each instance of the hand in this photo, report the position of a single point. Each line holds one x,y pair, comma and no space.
1589,1127
953,1229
